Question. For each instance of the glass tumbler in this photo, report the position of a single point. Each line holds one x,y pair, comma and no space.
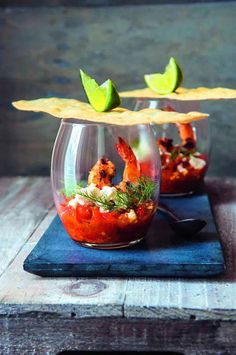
184,148
105,181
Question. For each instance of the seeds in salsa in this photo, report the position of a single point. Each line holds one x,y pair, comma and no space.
102,213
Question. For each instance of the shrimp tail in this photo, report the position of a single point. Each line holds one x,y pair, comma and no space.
132,169
187,135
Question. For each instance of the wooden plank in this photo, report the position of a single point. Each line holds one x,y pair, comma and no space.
24,202
22,292
199,299
6,184
223,197
48,334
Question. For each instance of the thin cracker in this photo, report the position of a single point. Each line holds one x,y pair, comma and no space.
184,94
70,108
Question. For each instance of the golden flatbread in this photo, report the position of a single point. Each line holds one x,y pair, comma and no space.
184,94
70,108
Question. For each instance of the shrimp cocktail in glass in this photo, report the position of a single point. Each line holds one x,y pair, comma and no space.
105,181
184,146
106,166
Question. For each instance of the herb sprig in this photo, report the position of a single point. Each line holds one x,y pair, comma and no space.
134,196
100,201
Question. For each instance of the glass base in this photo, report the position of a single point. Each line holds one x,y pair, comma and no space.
108,246
177,194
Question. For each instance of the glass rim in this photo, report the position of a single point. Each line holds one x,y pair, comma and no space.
162,99
76,121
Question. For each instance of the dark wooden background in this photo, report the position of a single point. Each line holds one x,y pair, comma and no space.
43,47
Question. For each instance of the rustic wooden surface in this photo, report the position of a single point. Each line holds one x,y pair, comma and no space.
48,315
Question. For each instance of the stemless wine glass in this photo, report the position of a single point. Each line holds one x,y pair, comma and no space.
184,148
105,181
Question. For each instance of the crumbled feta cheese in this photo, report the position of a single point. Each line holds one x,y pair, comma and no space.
181,169
73,203
197,163
78,200
81,200
132,215
102,210
196,154
109,192
92,189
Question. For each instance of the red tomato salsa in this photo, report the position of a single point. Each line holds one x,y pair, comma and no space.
90,224
107,214
183,170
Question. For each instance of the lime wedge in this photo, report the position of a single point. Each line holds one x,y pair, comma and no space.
101,97
167,82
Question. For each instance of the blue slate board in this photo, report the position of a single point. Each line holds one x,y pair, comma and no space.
162,253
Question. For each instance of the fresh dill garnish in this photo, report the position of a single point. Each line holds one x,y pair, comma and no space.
143,191
146,189
123,200
101,201
134,196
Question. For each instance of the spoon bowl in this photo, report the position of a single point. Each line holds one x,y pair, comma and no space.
183,227
187,227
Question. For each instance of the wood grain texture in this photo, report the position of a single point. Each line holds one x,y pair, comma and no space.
202,299
156,298
23,204
55,314
85,297
45,333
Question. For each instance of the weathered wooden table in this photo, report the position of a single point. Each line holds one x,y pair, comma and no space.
49,315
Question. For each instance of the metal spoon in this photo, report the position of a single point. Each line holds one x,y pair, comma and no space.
184,227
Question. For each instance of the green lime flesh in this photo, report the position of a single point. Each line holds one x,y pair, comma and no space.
167,82
101,97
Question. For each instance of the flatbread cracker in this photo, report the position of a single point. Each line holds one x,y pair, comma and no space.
70,108
184,94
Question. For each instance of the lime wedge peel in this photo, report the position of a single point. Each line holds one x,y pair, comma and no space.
167,82
103,97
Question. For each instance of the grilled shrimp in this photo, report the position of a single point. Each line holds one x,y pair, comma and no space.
186,133
102,173
187,136
104,170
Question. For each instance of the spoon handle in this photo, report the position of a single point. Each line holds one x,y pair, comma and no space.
165,209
